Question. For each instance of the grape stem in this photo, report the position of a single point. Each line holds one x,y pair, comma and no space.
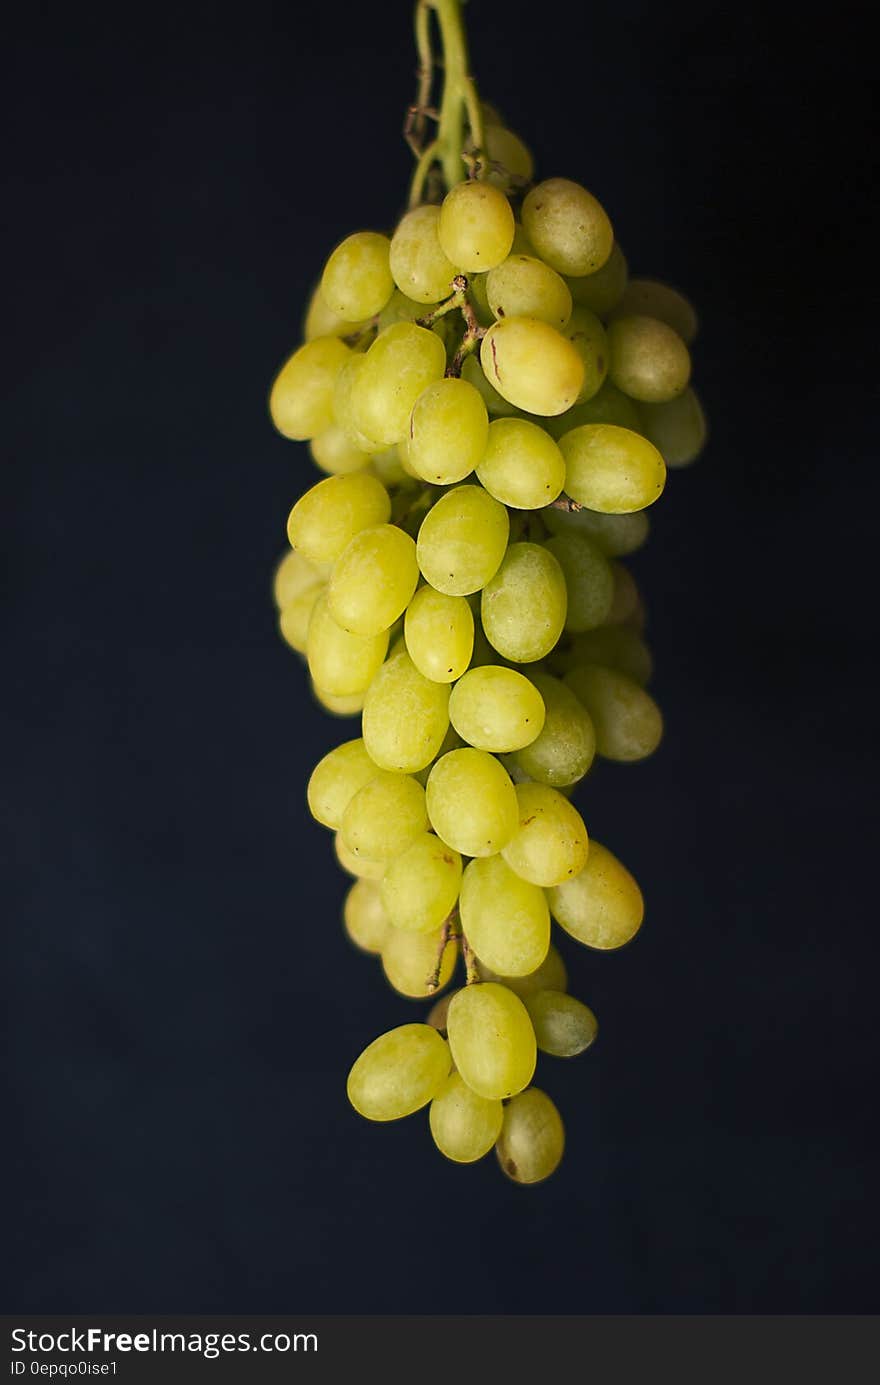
448,932
472,976
459,100
565,502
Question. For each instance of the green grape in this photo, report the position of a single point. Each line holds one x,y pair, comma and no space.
563,752
357,278
462,541
614,646
551,842
403,360
420,887
323,522
505,919
567,226
602,290
472,371
523,286
301,397
495,708
464,1125
589,580
523,606
627,607
563,1026
648,298
510,162
364,916
608,405
492,1040
648,360
447,432
399,308
677,428
384,817
628,722
336,779
410,961
471,802
341,664
388,468
550,975
603,906
373,580
418,264
293,576
521,465
532,1139
590,341
294,619
611,469
356,865
349,706
399,1073
406,716
334,452
532,365
475,226
321,321
478,294
343,412
614,535
439,632
439,1010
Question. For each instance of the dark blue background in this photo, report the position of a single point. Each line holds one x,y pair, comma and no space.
183,1005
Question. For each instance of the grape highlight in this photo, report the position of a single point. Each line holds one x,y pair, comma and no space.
493,403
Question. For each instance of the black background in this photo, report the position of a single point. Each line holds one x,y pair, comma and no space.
183,1005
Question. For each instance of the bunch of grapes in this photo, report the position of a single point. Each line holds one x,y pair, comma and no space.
496,404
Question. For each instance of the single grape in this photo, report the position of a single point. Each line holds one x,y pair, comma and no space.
614,535
510,161
603,906
294,619
464,1125
336,779
439,631
521,465
532,365
343,411
492,1040
532,1139
447,432
358,866
462,541
475,226
648,360
341,664
551,843
568,227
420,268
399,1072
590,341
471,802
326,518
496,708
614,646
563,752
335,453
523,286
677,428
406,716
348,706
628,722
301,397
523,607
293,576
505,918
420,887
602,290
589,580
439,1010
402,361
648,298
364,916
357,281
321,321
563,1026
373,580
384,817
473,372
550,975
611,469
608,405
627,607
410,961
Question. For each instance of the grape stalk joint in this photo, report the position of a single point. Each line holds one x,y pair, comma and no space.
495,404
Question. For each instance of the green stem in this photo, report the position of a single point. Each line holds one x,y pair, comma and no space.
459,96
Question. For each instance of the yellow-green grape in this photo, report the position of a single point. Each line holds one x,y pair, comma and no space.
350,706
357,278
342,408
614,535
420,268
406,716
294,575
341,664
399,1073
326,518
521,464
563,1026
475,226
628,722
483,651
532,365
603,907
608,405
551,843
384,817
568,227
648,298
471,802
492,1040
462,540
677,428
447,432
364,916
399,308
472,371
335,453
627,607
614,646
439,631
373,579
410,961
510,161
602,291
301,398
523,606
610,469
402,361
505,919
647,359
495,708
589,580
420,887
464,1125
590,341
388,468
439,1010
523,286
563,752
550,975
321,321
294,619
336,779
358,866
477,292
532,1139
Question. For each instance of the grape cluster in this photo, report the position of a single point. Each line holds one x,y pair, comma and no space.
495,403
